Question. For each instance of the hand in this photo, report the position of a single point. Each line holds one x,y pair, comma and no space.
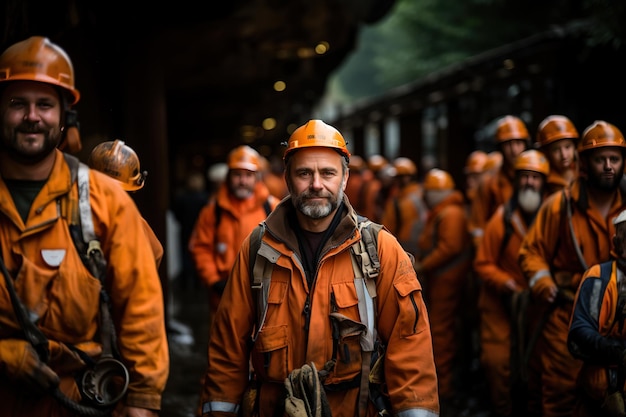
63,359
510,286
545,290
21,363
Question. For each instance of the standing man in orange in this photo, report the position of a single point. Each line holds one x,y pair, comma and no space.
313,314
512,138
557,138
241,202
405,212
573,230
497,267
53,306
443,267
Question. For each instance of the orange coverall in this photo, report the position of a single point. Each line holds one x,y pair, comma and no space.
286,342
214,247
65,296
446,260
493,190
405,215
548,253
496,264
597,336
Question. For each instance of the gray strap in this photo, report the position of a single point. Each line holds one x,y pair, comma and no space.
84,204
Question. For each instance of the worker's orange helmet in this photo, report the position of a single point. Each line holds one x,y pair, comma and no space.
555,127
376,162
532,160
494,160
120,162
357,163
316,133
438,179
475,162
404,166
38,59
601,134
511,128
244,157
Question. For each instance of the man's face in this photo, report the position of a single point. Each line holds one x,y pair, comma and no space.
605,167
530,190
241,183
316,181
561,154
31,121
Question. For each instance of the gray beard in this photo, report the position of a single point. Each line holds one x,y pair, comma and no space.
529,200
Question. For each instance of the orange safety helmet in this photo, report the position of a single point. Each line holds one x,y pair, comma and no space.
376,162
476,162
438,179
38,59
244,157
356,163
532,160
601,134
555,127
120,162
511,128
404,166
316,133
494,160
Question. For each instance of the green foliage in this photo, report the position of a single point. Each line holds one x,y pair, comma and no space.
420,37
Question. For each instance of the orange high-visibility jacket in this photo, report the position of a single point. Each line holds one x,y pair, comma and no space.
51,280
214,247
493,190
405,216
286,342
548,252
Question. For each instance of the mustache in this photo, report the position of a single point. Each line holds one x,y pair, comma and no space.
29,128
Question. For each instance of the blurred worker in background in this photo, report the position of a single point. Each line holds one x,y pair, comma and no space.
241,203
512,138
494,162
274,178
597,334
502,287
405,213
313,316
120,162
573,230
53,306
443,265
557,138
376,190
475,164
360,174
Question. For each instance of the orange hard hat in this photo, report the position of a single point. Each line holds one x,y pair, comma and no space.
532,160
244,157
438,179
120,162
404,166
601,134
316,133
356,163
511,128
494,160
376,162
38,59
555,127
475,162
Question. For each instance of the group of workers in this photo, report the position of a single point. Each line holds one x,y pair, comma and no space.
348,292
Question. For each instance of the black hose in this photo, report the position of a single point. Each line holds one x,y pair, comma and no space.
80,409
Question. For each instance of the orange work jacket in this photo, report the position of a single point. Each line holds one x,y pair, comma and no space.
493,190
52,282
287,341
214,246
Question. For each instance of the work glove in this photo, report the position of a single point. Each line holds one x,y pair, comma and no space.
545,290
63,359
20,362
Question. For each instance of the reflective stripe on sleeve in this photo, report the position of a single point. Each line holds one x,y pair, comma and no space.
538,275
220,406
417,412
